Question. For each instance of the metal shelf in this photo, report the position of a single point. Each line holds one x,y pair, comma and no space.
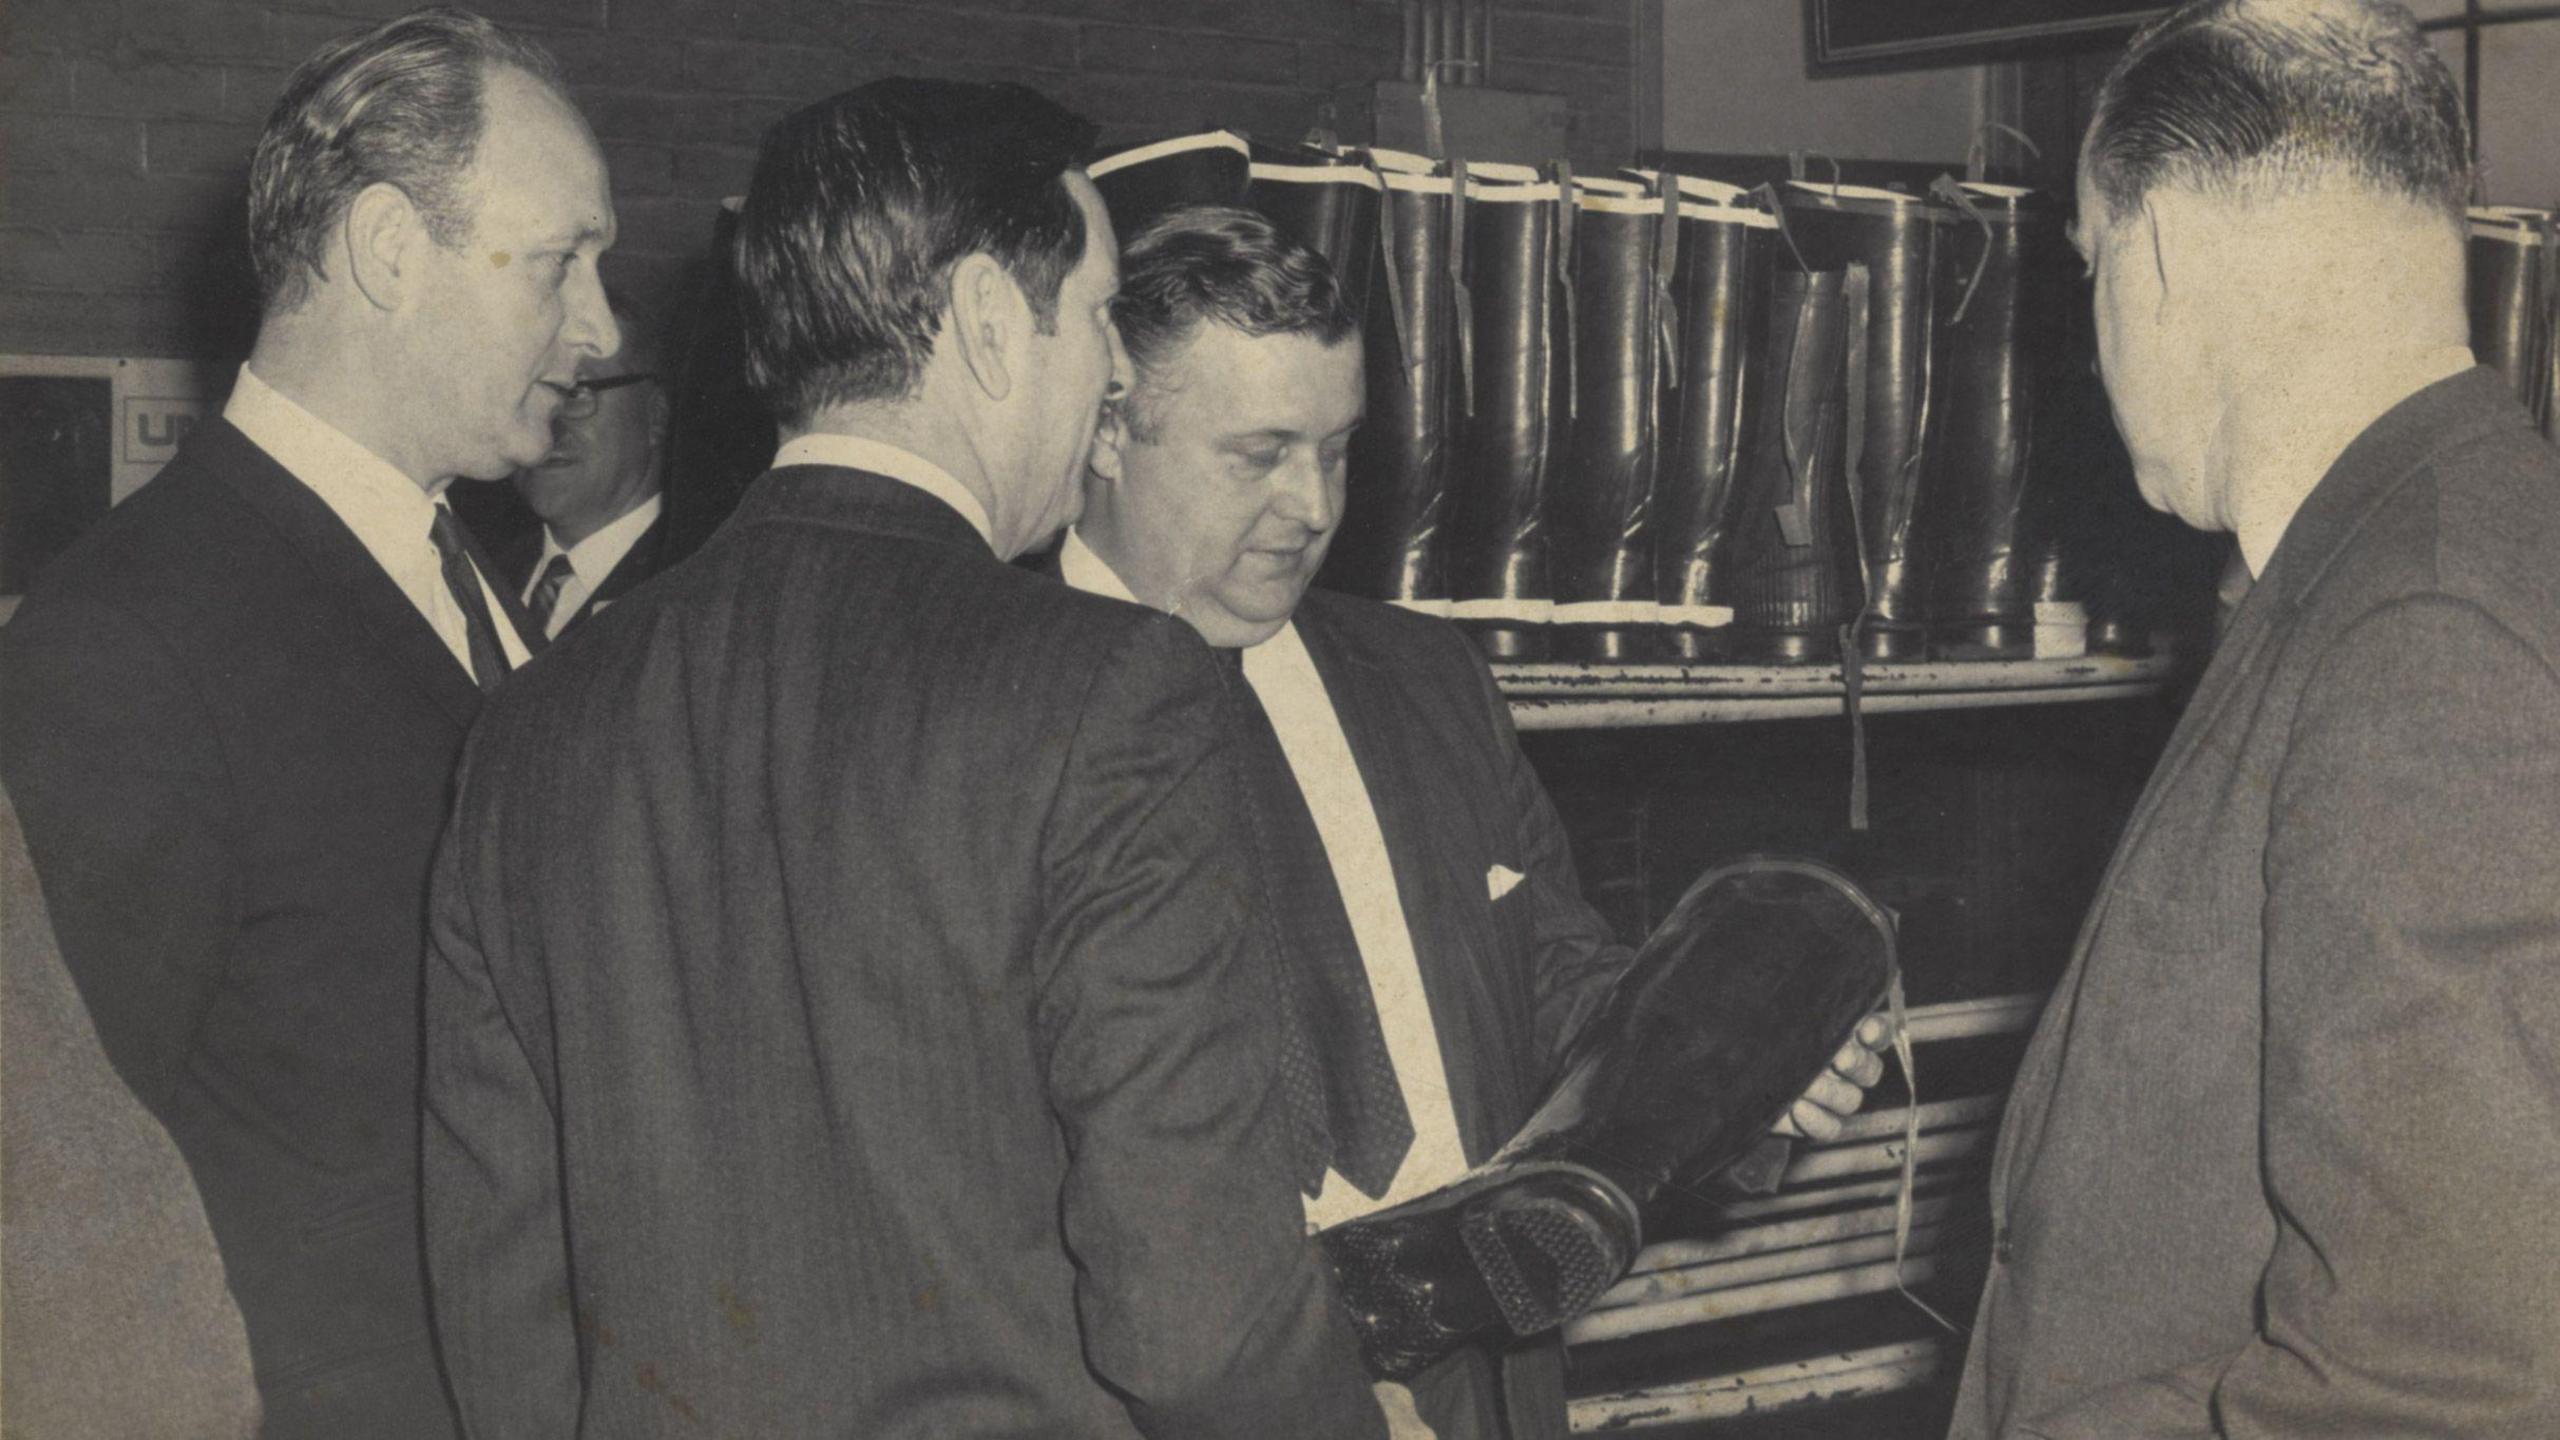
1555,696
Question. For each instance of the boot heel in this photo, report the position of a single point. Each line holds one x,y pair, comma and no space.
1544,1253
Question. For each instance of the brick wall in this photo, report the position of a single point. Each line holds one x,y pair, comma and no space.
126,125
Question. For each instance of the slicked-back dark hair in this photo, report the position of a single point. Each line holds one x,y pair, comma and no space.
1216,265
862,204
398,104
2257,98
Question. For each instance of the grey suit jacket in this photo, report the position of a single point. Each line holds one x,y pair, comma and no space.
846,1016
2280,1157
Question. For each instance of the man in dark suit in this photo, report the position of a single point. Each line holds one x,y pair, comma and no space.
598,494
845,1013
234,707
2279,1158
1435,944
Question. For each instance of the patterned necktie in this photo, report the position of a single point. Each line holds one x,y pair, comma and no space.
1335,1072
488,657
546,591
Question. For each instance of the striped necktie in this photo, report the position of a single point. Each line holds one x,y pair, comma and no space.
488,657
546,592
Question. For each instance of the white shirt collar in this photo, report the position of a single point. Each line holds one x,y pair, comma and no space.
855,452
1083,568
388,512
593,558
385,508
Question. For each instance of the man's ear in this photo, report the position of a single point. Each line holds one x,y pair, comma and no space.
381,236
662,415
991,322
1109,457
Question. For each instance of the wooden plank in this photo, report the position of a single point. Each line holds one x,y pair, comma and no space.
1748,1300
1872,1371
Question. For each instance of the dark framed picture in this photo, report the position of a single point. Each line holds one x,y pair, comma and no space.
1851,35
77,434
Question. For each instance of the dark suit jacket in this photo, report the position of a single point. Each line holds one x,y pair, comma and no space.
119,1321
231,740
518,555
845,977
1508,979
2280,1156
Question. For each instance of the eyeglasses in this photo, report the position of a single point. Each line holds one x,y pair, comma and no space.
582,398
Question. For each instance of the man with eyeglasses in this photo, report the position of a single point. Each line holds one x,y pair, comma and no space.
598,491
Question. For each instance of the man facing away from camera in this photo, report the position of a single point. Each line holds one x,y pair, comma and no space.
600,492
845,1013
1435,945
234,706
2279,1157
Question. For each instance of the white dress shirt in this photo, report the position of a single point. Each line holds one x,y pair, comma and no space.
390,515
1284,678
590,560
853,452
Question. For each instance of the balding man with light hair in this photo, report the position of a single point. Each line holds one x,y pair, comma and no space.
2279,1156
233,708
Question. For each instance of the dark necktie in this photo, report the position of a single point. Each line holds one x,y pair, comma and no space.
488,657
1335,1073
546,591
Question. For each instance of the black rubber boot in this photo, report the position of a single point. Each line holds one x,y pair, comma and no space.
1393,541
1326,202
2510,304
1897,237
1512,381
1600,504
1981,567
1720,295
1140,182
1791,551
1733,1007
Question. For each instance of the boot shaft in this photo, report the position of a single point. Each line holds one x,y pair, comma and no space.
1791,550
1897,237
1393,542
1513,388
1720,298
1609,336
1981,563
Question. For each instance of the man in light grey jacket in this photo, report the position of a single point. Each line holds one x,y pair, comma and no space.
2279,1157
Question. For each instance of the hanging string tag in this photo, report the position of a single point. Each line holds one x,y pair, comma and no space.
1463,307
1666,261
1977,156
1853,300
1945,190
1900,1012
1777,204
1395,283
1435,139
1568,217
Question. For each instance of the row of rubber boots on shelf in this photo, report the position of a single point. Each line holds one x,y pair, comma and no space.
2514,252
1650,416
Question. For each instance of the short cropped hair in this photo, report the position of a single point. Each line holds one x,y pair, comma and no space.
860,207
1215,265
2250,99
398,104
